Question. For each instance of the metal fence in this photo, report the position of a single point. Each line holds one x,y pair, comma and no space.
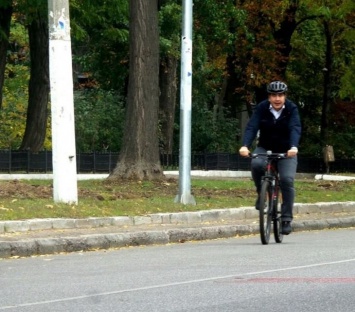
105,162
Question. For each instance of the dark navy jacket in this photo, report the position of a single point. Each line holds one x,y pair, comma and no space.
276,135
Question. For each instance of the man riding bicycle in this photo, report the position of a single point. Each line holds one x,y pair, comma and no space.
278,123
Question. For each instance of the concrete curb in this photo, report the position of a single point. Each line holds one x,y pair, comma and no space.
46,246
178,218
41,246
195,228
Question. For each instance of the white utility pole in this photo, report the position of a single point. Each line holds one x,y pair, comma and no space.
65,188
184,196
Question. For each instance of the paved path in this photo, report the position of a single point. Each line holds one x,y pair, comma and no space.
228,174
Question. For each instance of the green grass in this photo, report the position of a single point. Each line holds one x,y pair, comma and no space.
98,198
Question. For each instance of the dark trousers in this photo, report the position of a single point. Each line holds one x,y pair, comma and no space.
287,170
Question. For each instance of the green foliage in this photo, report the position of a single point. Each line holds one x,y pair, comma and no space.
239,30
170,17
305,80
216,20
5,3
347,81
100,41
18,33
15,91
347,86
19,44
340,141
306,74
211,133
29,10
13,112
342,133
99,119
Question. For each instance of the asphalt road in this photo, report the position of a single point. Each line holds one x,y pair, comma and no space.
309,271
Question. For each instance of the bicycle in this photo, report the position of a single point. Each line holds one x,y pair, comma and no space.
269,205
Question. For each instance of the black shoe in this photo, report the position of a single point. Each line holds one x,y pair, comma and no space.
286,227
257,203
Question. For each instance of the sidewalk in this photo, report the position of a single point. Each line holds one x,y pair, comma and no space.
50,236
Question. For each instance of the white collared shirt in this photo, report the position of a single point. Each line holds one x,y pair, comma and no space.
276,113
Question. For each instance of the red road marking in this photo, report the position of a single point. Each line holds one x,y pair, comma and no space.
333,280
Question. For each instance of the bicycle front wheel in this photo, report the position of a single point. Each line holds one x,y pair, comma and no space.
265,211
277,218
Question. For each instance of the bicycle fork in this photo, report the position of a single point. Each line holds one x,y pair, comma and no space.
275,197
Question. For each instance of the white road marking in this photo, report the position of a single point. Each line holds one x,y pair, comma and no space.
174,284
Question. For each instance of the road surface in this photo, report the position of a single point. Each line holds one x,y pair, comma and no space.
309,271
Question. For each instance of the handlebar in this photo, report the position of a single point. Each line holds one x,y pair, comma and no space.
269,155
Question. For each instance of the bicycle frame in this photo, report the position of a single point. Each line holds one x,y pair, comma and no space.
271,173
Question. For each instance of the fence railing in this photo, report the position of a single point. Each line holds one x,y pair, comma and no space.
102,162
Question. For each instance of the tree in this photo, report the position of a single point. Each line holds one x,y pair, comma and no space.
5,21
37,111
328,69
139,155
170,21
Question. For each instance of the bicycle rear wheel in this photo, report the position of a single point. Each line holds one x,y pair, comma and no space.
265,210
277,218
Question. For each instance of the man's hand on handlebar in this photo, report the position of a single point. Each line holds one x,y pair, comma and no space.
244,151
292,152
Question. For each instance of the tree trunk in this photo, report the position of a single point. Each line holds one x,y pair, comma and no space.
139,156
283,39
326,87
38,90
167,102
5,21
